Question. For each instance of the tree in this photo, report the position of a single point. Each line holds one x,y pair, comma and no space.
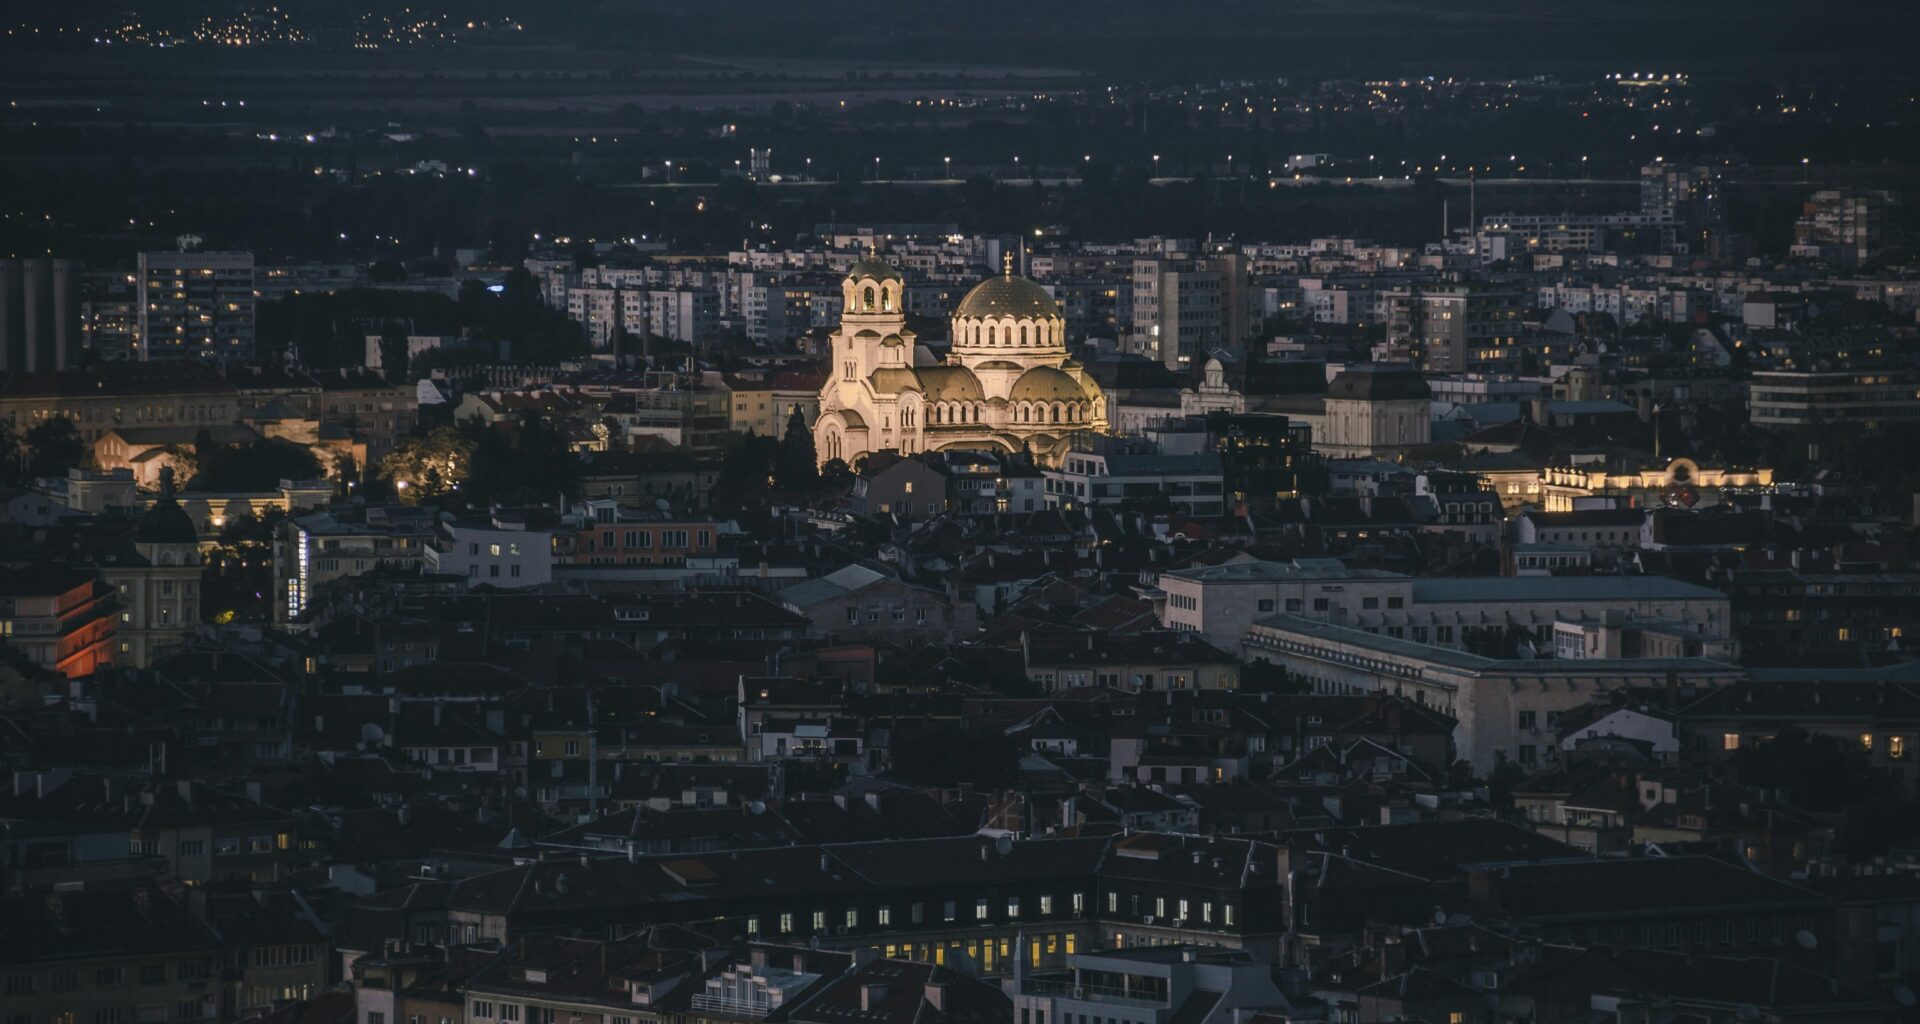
256,466
13,454
530,462
424,468
53,447
796,469
835,473
745,473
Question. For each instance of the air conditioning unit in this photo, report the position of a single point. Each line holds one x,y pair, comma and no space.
1149,919
1079,993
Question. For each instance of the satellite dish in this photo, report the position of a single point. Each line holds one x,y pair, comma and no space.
1003,845
372,733
1747,1011
1806,939
1903,995
1439,916
757,807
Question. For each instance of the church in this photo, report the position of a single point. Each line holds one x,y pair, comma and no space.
1007,383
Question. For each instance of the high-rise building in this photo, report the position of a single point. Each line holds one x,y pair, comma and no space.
1841,226
109,314
1456,326
1186,307
195,305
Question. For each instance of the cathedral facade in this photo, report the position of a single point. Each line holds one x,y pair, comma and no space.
1007,383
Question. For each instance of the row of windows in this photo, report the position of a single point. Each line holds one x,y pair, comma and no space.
26,983
950,912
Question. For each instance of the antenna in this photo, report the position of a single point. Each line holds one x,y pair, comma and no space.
1473,209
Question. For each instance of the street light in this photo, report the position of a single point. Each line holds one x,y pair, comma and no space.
1156,165
949,162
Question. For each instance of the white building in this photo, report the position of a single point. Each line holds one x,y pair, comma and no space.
1508,710
498,553
1223,601
1192,484
1153,984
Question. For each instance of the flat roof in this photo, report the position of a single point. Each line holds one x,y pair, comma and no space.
1300,625
1486,589
1298,570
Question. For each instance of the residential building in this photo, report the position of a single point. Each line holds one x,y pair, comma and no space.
1457,327
116,954
507,550
62,619
195,305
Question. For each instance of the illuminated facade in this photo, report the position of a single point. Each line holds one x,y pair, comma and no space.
1007,384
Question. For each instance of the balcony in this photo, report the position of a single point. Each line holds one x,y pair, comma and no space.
1061,989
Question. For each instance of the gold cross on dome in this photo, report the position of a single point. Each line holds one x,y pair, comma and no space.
1006,262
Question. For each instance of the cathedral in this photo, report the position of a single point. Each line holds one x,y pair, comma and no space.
1007,383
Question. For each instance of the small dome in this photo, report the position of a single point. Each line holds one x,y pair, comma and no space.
872,268
1008,295
894,379
1046,384
951,384
999,364
892,341
166,523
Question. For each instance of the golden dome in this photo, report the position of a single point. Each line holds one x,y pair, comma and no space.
1007,295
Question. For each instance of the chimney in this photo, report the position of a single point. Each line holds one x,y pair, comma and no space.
1484,887
872,995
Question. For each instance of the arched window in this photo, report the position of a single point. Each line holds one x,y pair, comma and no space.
866,301
1023,335
886,299
993,335
1056,414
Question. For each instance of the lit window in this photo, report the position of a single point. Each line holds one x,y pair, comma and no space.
1730,741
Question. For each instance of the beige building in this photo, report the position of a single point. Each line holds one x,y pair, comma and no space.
1375,411
100,397
1681,482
